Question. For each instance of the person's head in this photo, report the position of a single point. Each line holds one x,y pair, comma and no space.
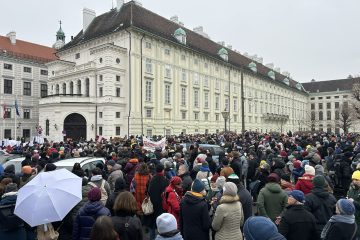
159,168
120,184
76,167
182,169
296,197
198,187
50,167
309,170
125,202
345,207
103,229
220,181
175,182
273,178
261,228
356,178
110,164
143,169
94,194
96,171
166,223
234,179
230,189
319,181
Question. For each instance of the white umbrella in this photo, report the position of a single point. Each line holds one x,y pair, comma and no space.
48,197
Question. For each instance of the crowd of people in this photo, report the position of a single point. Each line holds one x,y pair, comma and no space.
302,186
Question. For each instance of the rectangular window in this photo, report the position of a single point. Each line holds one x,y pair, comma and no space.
206,100
167,71
100,131
217,84
118,90
43,90
27,88
117,131
235,118
7,113
312,98
167,94
320,106
196,98
183,96
7,133
148,65
206,81
26,113
313,106
27,69
183,57
235,105
148,113
26,134
328,97
345,105
44,72
321,117
337,105
117,114
148,45
217,117
100,114
206,116
117,78
148,91
77,55
196,79
100,78
217,102
336,97
196,115
320,98
100,92
312,116
183,75
206,65
345,96
328,115
167,51
149,132
227,104
328,105
337,115
7,86
183,115
7,66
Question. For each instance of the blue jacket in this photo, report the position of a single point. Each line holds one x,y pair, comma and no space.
86,218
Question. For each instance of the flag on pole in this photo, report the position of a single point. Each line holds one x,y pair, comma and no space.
4,111
17,108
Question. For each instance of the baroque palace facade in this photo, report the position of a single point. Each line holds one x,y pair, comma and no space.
131,71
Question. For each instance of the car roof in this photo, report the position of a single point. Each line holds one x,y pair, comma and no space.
15,160
71,161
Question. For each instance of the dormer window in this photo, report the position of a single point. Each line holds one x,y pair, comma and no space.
299,86
180,35
252,66
286,81
223,53
271,74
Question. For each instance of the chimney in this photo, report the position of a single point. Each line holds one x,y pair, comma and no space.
88,16
119,4
12,36
174,19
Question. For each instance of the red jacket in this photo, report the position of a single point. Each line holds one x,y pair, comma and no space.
305,184
173,200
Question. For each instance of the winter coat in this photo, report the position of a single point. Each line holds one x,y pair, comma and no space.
340,231
119,187
354,193
298,224
86,218
346,172
129,170
322,205
138,188
286,186
278,167
156,187
246,201
252,165
175,237
173,200
186,181
305,184
212,164
97,180
228,219
297,172
203,175
9,172
115,174
237,167
84,192
128,226
272,201
194,217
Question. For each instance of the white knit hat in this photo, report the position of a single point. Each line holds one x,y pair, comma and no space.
310,170
165,223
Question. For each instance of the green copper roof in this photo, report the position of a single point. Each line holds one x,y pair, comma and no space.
223,51
286,81
299,86
252,66
179,31
271,74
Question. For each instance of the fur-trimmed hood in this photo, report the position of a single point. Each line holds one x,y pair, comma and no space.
229,199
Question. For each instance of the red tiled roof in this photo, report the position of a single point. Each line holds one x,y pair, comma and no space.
27,50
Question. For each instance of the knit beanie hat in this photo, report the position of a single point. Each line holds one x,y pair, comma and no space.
319,181
261,228
111,162
94,194
273,177
310,170
297,195
356,175
319,170
345,206
197,186
220,182
175,181
230,189
165,223
233,178
26,170
11,187
297,164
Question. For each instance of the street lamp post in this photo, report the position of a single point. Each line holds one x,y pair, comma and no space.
225,115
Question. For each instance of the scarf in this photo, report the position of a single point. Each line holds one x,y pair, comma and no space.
349,219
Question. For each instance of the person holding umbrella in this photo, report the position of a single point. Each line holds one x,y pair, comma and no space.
88,214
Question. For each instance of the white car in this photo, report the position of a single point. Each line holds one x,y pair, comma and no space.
16,162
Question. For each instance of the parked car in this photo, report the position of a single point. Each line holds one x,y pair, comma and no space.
214,149
16,162
5,156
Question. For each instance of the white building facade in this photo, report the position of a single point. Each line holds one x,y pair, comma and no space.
130,71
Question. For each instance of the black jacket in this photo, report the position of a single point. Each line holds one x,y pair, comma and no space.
341,231
252,169
156,187
128,226
246,201
298,224
186,181
237,167
194,217
120,186
322,205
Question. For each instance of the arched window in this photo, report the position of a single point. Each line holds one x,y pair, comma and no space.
71,88
321,128
87,86
57,89
79,87
64,88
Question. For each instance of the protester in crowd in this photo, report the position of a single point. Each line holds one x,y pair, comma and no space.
354,195
173,196
9,172
297,223
120,186
103,229
228,215
341,226
98,181
126,223
139,184
27,172
167,227
261,228
194,213
184,174
130,169
88,214
320,203
115,172
298,170
235,163
304,182
226,170
272,199
285,183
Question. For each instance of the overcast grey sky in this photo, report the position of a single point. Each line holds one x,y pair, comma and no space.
309,38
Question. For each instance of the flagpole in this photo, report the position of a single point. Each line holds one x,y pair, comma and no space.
15,121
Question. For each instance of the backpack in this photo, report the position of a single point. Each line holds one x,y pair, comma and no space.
104,195
164,202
